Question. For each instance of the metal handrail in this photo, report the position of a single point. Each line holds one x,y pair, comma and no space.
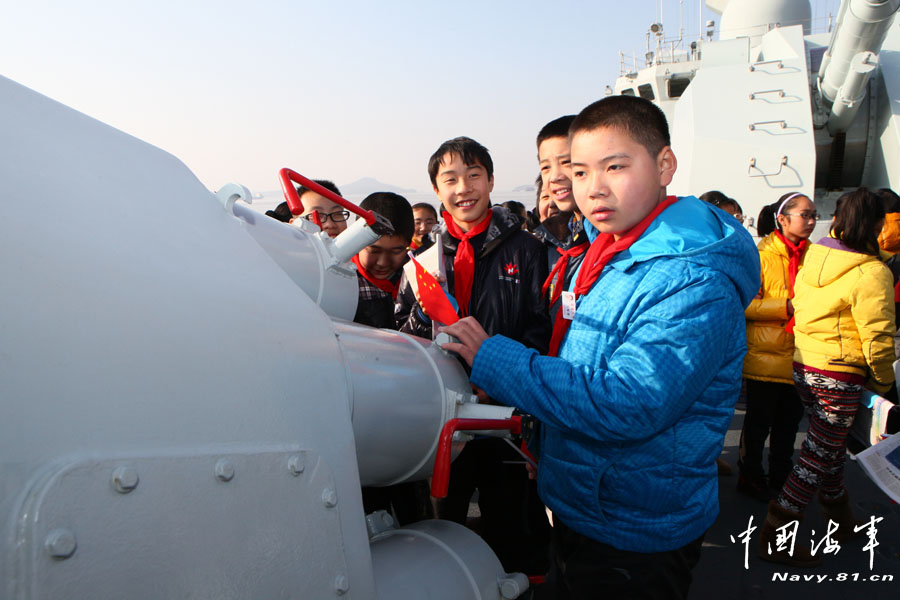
779,62
755,94
784,161
754,125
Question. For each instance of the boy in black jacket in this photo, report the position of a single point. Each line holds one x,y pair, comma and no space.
502,266
495,271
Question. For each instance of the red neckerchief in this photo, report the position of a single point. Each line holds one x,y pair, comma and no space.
559,270
413,245
602,250
464,262
795,254
385,285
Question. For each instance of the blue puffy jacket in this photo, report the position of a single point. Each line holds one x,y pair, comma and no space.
635,408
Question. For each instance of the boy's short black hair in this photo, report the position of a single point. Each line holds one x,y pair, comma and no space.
328,185
395,208
471,152
642,120
516,207
555,128
720,200
427,206
281,213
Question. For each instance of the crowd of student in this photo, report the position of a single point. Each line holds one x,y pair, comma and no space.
819,332
624,321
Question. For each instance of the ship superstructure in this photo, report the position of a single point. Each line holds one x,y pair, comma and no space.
770,107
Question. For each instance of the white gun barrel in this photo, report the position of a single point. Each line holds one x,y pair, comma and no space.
402,391
858,35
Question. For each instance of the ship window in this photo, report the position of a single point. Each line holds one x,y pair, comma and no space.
628,92
677,85
815,58
646,91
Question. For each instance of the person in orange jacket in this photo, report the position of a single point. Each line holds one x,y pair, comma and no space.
889,241
889,237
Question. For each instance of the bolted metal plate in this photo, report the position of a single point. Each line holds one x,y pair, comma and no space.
231,524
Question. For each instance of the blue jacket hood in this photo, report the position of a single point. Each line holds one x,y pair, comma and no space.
700,233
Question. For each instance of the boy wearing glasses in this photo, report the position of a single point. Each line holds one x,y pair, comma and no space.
332,218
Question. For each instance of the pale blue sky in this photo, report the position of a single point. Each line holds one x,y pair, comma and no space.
339,90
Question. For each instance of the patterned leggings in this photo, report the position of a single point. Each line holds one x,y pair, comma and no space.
831,405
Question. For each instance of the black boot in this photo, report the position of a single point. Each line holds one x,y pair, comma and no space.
753,485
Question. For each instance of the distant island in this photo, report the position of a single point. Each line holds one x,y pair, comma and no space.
524,188
368,185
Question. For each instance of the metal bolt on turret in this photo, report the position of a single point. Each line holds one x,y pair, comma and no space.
124,479
513,585
224,470
60,543
379,522
341,585
329,498
296,464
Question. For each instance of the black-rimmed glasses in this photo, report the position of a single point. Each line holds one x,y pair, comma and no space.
336,217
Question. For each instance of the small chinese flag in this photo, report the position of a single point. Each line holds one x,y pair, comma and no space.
432,297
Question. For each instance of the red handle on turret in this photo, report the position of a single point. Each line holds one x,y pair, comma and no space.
440,479
293,198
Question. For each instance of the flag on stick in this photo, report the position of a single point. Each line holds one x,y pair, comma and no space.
432,297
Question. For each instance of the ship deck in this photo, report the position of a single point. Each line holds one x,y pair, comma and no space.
721,572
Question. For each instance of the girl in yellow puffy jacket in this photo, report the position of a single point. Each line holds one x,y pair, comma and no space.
774,410
843,341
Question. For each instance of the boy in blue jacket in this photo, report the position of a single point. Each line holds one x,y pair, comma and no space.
644,369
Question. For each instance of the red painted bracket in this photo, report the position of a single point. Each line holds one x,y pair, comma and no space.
440,480
286,176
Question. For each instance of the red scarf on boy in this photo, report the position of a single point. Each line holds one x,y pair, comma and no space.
559,271
795,254
602,250
385,285
464,262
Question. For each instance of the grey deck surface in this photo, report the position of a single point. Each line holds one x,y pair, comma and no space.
721,572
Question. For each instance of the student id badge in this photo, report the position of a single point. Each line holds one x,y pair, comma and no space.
568,305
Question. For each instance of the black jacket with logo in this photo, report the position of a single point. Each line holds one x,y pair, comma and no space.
510,268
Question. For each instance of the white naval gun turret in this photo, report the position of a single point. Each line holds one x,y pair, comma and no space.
769,108
185,409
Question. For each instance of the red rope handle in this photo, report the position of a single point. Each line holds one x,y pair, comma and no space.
293,198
